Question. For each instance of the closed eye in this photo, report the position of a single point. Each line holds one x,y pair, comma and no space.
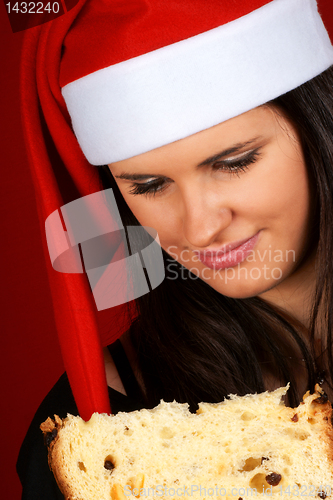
233,165
149,188
237,164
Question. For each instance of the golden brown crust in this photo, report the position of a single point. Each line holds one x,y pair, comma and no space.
47,426
321,411
324,408
50,429
55,463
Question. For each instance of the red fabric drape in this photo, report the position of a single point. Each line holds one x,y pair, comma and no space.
62,174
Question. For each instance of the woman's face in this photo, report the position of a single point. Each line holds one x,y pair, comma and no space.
231,203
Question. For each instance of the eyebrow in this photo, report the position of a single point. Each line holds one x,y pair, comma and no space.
212,159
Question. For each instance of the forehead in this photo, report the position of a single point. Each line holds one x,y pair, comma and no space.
260,123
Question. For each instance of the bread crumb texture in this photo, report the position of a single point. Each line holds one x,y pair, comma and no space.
245,447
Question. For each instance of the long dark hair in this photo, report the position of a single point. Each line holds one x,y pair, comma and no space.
194,344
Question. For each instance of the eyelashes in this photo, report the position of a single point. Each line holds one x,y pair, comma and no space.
149,188
233,166
238,165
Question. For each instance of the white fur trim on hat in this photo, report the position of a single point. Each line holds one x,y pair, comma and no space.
165,95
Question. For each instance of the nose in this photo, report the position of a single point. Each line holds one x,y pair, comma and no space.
206,215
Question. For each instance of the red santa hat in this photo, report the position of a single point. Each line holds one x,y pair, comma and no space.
115,79
140,76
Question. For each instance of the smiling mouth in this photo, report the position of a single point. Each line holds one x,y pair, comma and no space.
229,255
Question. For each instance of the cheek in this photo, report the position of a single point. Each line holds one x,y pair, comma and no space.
277,196
158,215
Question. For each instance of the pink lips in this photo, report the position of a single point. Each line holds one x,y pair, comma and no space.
229,255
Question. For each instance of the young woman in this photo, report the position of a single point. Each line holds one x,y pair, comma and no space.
214,127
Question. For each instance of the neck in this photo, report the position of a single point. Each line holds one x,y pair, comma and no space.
294,295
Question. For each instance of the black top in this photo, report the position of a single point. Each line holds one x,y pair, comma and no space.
32,466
